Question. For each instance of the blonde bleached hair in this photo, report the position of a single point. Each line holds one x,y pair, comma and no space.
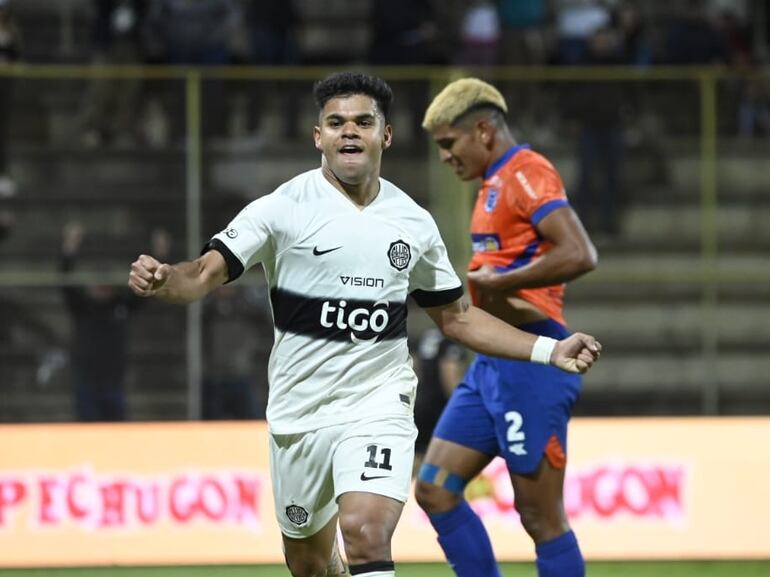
459,97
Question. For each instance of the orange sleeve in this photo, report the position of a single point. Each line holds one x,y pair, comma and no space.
532,186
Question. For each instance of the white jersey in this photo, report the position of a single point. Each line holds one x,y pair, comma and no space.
339,278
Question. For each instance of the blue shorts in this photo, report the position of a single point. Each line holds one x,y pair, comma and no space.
512,408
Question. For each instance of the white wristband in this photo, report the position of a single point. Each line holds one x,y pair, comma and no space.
542,350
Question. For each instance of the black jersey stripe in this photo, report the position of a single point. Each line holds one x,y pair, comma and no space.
234,266
338,319
436,298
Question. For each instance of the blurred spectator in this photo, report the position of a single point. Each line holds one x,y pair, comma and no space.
110,108
636,45
598,108
526,32
21,326
238,336
404,32
737,38
7,216
440,367
7,186
272,27
193,31
99,345
479,35
199,33
10,50
26,336
751,93
691,38
577,22
754,108
644,137
527,39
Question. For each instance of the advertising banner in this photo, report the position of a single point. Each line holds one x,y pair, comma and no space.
199,493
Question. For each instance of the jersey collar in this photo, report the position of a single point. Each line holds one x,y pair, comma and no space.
498,164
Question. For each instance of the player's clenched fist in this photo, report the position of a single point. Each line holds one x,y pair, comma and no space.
577,353
148,276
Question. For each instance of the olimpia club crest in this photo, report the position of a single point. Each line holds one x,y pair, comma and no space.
296,514
399,254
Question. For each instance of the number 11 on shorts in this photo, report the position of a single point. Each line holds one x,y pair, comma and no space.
372,462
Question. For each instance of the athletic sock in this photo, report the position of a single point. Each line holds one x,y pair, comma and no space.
465,542
374,569
560,557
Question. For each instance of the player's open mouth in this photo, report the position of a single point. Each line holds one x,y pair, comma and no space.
351,149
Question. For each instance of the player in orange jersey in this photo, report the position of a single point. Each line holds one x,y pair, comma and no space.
527,242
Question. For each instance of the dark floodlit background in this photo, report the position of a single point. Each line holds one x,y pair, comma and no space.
139,126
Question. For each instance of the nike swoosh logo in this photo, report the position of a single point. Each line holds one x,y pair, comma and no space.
365,478
320,252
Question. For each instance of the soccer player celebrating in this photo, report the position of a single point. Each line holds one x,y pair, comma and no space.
527,242
342,249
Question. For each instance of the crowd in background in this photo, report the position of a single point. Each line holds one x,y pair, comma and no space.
472,33
476,32
123,113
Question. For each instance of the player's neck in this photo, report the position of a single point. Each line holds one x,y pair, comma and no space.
360,194
503,143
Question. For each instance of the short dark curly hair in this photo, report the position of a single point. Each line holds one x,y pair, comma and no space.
350,83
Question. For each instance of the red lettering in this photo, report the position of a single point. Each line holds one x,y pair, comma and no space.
11,494
181,500
605,492
637,491
50,487
75,510
147,503
113,504
634,494
80,497
666,491
247,498
212,499
500,489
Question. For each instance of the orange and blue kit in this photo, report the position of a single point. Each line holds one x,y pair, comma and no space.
517,410
519,190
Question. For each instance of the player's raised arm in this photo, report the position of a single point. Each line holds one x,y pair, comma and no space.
183,282
488,335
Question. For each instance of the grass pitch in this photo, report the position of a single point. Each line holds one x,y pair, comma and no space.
595,569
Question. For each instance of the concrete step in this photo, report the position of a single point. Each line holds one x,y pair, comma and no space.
674,402
665,228
661,374
47,166
657,327
641,273
258,166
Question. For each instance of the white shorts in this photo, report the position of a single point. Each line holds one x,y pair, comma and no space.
311,470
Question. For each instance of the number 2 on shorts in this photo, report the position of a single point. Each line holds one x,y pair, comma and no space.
516,437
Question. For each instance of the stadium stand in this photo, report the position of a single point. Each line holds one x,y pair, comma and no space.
646,301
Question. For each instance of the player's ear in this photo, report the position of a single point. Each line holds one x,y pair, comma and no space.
485,131
387,137
317,137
